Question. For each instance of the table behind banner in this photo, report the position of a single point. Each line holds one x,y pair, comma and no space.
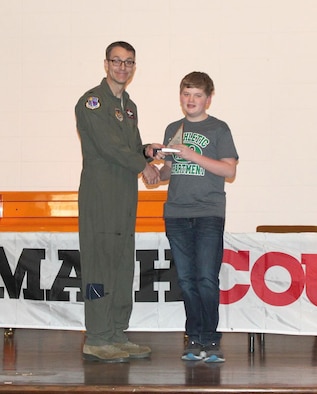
268,283
57,211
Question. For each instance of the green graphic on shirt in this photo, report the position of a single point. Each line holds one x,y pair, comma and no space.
196,142
195,139
187,169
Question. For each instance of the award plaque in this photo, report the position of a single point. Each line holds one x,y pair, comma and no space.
178,137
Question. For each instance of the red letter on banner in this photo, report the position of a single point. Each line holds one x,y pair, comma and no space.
240,261
310,260
286,261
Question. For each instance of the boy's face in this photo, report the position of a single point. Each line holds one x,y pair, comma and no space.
194,103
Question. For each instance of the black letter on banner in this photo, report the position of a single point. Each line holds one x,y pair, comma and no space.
30,263
175,293
149,275
70,259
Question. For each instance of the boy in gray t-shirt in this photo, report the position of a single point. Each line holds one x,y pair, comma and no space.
195,211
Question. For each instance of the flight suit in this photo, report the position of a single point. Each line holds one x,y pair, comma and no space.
112,159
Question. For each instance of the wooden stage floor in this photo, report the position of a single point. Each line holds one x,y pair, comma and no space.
47,361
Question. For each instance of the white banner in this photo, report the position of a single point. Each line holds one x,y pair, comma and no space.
268,283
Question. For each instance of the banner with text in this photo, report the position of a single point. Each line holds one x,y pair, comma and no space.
268,283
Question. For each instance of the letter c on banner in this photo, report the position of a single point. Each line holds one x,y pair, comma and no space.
286,261
240,262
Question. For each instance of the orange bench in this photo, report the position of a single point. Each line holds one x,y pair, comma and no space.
57,211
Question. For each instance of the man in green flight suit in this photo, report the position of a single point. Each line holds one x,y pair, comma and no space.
113,156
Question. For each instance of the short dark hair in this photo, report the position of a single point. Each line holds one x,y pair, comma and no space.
122,44
198,80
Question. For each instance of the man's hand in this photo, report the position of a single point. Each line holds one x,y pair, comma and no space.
151,174
150,151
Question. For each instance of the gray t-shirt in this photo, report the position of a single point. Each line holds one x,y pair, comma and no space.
193,191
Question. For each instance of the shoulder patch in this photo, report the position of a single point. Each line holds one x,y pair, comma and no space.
92,103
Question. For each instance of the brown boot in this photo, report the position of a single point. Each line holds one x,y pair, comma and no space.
105,354
134,350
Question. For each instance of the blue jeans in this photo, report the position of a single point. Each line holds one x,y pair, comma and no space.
197,249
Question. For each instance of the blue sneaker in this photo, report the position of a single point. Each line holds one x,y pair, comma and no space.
212,353
192,351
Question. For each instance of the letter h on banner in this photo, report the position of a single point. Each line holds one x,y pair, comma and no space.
149,275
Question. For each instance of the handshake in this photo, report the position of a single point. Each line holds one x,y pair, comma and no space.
151,173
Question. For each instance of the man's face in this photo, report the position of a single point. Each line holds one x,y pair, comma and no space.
119,74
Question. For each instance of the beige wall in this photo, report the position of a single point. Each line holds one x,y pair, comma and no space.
261,54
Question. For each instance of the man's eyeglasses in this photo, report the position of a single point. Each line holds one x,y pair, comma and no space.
118,62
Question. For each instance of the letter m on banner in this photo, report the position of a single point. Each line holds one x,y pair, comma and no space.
29,265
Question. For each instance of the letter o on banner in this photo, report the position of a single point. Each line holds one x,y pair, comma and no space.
286,261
